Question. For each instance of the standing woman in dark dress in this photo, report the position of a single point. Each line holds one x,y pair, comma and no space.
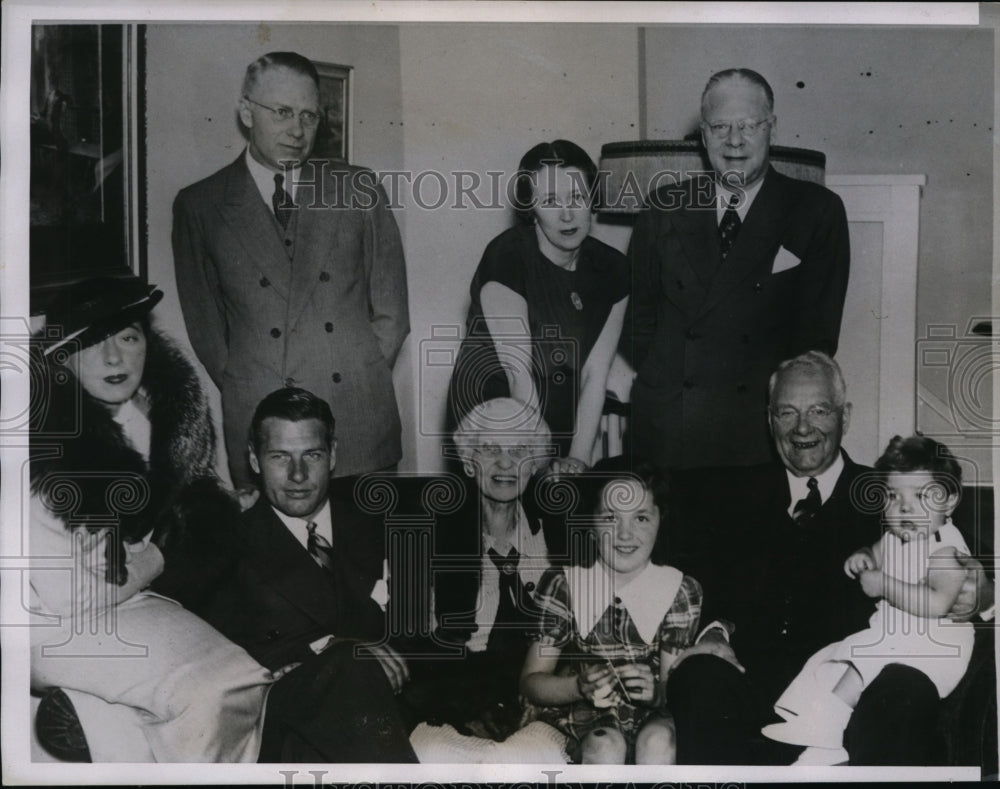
548,303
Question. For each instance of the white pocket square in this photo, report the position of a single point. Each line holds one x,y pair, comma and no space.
783,261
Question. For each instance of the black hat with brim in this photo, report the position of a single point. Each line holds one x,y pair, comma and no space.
86,312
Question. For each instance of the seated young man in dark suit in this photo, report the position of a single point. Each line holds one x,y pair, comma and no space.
307,590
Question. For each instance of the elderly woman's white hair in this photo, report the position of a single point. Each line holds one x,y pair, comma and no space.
500,416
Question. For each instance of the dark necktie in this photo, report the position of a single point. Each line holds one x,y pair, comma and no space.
281,201
513,613
729,227
319,548
806,508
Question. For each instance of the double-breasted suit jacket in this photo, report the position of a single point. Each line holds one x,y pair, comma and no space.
705,336
321,305
277,600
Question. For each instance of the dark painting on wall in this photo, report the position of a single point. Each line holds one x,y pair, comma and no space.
86,210
333,137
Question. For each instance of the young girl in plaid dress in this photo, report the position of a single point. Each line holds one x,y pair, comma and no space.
611,629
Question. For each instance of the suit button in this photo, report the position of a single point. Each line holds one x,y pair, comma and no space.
741,388
328,326
745,338
688,383
680,285
757,287
324,277
289,383
336,378
272,635
691,334
288,242
276,333
264,282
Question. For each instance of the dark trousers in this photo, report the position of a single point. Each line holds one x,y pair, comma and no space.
718,716
334,708
895,721
714,712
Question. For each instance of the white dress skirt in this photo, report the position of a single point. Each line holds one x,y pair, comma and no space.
149,679
936,646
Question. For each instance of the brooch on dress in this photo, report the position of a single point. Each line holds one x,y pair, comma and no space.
575,298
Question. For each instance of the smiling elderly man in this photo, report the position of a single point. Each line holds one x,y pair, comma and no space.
768,544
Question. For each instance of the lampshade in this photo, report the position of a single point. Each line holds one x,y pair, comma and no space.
636,166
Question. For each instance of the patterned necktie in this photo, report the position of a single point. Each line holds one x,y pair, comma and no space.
806,508
281,201
729,227
319,548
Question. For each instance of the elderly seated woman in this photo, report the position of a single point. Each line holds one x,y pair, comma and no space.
122,454
489,555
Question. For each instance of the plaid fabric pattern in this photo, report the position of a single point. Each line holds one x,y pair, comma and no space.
614,638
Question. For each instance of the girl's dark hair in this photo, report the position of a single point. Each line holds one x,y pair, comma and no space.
591,486
920,453
561,153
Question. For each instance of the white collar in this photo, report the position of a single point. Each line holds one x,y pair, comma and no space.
522,539
299,527
647,597
263,177
827,481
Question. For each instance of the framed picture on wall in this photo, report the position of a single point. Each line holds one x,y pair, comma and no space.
333,139
87,212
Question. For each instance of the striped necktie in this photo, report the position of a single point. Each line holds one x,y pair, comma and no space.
319,548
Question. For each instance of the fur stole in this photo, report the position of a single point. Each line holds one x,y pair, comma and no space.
84,469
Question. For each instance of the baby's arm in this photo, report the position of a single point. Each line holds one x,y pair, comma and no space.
934,595
867,558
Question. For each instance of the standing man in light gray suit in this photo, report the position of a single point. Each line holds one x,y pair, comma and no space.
290,273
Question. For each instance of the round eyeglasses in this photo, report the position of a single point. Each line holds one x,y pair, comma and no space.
815,414
307,118
514,451
748,128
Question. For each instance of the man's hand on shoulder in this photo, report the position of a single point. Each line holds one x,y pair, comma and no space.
246,497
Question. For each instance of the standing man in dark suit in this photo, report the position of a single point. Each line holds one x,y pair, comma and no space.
768,544
732,272
290,272
309,589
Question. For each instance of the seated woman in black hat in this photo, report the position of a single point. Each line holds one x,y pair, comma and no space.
122,465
